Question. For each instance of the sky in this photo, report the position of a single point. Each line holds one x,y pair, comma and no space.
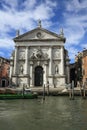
71,15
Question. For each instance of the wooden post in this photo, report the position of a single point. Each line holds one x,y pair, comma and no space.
84,91
48,88
44,92
70,95
72,90
81,89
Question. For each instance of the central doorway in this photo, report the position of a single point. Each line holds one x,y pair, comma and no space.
38,76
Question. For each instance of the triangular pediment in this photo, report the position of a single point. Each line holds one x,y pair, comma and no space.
38,34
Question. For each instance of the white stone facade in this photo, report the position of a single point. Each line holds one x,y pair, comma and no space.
39,58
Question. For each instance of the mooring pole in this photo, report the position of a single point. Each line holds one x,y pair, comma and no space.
72,90
84,91
80,85
70,95
44,92
48,88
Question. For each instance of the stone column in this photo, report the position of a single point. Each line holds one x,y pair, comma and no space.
45,73
10,73
26,61
31,74
50,63
50,68
16,66
62,60
16,61
11,68
27,65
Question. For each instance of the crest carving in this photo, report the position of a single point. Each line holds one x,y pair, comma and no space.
39,54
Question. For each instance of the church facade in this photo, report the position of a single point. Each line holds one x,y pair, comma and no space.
39,59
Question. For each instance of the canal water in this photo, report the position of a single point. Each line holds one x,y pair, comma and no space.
55,113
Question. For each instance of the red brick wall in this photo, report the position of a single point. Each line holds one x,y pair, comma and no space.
4,73
84,60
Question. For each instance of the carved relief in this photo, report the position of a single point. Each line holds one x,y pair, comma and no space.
32,53
45,53
38,54
56,53
21,53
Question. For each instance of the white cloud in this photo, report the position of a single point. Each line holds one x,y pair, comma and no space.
2,54
84,45
22,15
72,51
25,18
75,25
29,4
6,43
76,5
74,34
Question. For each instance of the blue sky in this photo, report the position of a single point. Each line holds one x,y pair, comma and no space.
71,15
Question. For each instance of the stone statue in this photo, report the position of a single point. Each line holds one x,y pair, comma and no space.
61,32
56,69
39,23
21,69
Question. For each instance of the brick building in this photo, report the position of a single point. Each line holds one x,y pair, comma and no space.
4,72
81,66
84,65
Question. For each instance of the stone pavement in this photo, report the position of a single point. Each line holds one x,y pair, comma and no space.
54,91
51,91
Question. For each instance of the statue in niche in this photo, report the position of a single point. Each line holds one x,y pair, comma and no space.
21,69
56,69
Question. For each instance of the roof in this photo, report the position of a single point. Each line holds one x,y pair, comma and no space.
35,35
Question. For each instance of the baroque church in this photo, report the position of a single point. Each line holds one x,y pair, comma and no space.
39,58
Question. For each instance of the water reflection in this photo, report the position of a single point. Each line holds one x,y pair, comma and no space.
55,113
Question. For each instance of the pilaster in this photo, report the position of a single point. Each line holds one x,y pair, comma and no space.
15,60
31,74
62,60
45,73
50,63
26,60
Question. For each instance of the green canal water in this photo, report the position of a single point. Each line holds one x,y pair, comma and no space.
55,113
